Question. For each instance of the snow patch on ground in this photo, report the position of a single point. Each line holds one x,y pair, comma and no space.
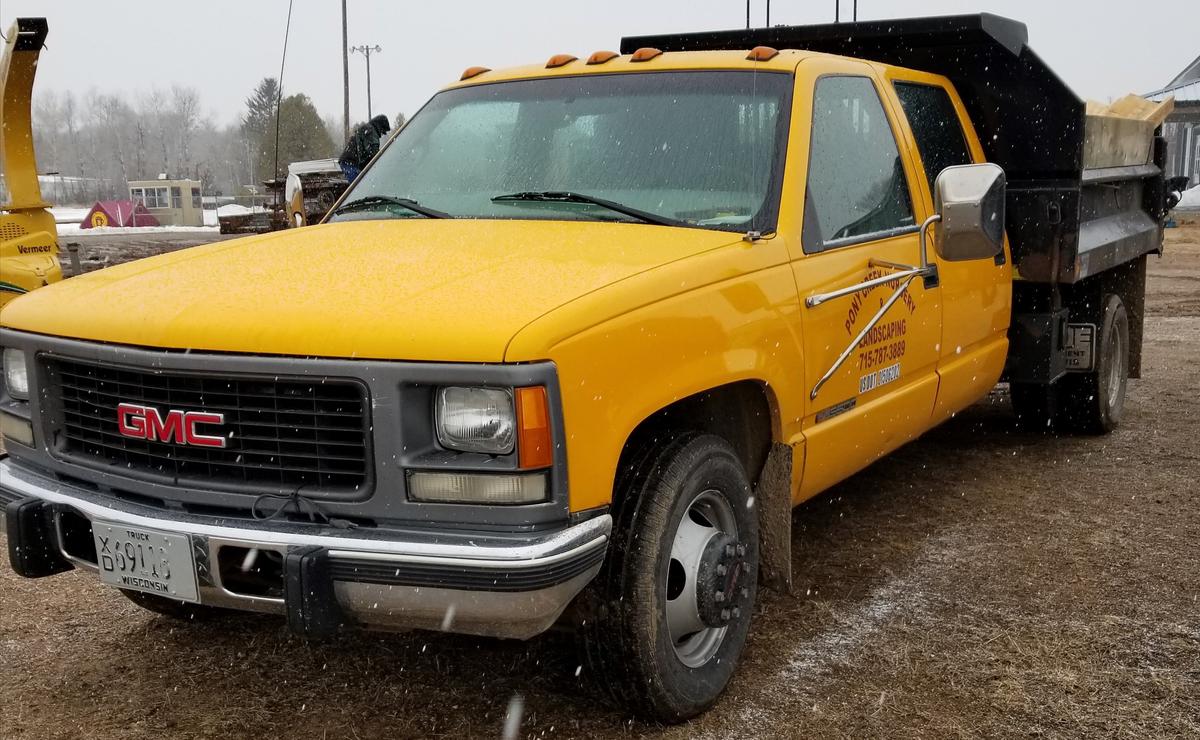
75,230
68,220
811,661
819,656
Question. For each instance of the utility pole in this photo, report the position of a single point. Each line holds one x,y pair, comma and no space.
345,80
367,51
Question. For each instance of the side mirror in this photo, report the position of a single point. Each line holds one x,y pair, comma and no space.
970,200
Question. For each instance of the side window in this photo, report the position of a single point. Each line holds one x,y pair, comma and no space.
856,183
935,126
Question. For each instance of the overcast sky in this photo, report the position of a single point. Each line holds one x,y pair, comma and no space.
1102,48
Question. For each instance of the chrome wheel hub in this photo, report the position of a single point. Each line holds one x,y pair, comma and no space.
707,579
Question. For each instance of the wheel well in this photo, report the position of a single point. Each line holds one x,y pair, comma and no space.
740,413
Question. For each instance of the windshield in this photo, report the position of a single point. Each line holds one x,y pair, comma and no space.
701,148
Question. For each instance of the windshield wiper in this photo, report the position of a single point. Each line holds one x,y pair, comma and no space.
550,196
367,202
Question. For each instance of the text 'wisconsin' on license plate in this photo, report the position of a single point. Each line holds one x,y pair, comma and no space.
146,560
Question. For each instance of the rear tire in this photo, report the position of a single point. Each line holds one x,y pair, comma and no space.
175,609
1093,403
1083,403
671,608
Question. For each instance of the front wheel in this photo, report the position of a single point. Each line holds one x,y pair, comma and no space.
673,603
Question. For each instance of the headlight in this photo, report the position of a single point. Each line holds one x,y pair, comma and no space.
16,374
476,420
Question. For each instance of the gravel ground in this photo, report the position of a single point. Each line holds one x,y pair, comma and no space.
979,582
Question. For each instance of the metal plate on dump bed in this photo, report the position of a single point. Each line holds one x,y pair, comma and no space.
158,563
1081,347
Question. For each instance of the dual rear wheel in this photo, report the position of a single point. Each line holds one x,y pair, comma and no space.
1083,403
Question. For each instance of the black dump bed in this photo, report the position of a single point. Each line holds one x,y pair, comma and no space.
1065,221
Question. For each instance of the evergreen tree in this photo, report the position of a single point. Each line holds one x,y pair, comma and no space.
260,108
302,136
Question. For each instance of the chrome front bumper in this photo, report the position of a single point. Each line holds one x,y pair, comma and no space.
484,584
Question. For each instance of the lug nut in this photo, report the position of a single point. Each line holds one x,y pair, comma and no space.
737,612
730,550
722,570
741,550
724,615
719,597
745,593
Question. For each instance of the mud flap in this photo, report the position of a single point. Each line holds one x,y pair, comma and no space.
312,606
30,549
774,497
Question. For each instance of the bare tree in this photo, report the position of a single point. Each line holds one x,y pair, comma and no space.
185,110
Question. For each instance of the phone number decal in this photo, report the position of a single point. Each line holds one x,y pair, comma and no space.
880,377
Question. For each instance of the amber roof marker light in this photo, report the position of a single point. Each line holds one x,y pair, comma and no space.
560,60
600,57
762,54
645,54
473,72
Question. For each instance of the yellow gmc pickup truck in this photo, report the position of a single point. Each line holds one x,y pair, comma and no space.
581,335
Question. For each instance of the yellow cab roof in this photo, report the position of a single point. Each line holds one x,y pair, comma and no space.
785,61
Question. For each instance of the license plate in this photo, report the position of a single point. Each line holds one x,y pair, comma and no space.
1081,346
146,560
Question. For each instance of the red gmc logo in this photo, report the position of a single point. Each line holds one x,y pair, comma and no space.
178,426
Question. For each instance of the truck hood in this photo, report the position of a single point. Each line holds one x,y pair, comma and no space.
448,290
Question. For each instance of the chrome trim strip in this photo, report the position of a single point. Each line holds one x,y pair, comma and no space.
589,533
815,300
468,563
862,334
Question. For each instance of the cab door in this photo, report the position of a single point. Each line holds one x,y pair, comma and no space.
870,354
976,294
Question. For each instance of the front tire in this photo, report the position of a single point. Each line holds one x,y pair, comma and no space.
673,604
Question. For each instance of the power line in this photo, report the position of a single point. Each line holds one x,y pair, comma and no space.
279,95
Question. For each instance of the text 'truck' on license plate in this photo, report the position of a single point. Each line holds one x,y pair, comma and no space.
145,560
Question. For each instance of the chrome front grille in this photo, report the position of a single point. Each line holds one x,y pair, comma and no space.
281,434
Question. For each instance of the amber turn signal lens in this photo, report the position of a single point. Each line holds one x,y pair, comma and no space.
645,54
473,72
535,448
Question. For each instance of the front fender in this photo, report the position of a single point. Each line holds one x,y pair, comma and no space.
619,372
